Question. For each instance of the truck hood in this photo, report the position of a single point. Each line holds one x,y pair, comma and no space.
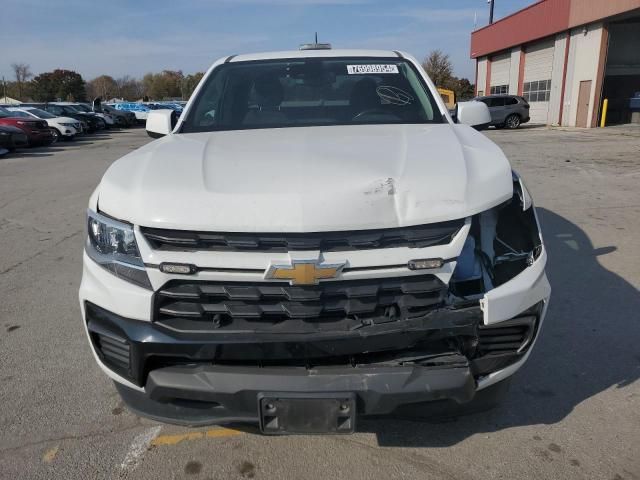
308,179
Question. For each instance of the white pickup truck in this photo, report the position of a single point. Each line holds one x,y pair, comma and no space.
315,239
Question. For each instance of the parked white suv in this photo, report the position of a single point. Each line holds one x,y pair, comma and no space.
61,127
314,239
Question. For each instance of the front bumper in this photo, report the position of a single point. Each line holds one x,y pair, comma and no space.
40,137
68,132
185,379
194,379
222,394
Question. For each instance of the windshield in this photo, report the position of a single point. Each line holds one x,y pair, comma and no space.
4,113
317,91
40,113
68,109
19,114
82,108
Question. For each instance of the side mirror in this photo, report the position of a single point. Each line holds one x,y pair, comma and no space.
474,113
160,123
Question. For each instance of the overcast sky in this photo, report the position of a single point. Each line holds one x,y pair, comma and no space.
133,37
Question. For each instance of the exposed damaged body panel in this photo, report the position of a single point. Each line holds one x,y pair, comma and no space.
505,257
445,336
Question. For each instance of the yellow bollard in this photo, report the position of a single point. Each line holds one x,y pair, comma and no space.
605,106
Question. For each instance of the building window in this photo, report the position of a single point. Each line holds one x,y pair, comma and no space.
481,93
499,89
537,91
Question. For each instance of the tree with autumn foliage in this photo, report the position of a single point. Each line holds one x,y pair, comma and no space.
440,70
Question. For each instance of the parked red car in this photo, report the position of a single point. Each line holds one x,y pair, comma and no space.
37,131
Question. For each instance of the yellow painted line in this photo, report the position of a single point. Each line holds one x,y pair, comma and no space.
162,440
50,454
222,432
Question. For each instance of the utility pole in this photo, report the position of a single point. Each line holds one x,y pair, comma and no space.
490,2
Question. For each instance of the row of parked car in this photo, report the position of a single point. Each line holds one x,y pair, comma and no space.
141,109
40,124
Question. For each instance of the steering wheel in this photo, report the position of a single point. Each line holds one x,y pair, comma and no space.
371,111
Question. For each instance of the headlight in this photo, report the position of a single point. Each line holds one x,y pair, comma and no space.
67,124
112,245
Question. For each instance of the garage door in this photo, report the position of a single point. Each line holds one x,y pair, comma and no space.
538,65
500,67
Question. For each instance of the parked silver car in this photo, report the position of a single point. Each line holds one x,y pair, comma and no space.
508,111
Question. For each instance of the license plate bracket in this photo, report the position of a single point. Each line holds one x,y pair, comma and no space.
307,413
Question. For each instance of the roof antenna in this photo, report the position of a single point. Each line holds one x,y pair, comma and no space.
315,45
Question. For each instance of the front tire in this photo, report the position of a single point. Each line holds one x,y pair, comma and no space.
56,136
513,121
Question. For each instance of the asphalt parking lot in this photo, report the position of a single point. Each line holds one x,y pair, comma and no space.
573,411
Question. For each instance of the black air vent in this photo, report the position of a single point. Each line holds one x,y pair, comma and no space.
511,336
114,350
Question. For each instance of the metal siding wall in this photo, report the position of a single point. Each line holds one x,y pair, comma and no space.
539,20
568,84
583,65
514,71
553,117
500,68
587,11
482,75
539,66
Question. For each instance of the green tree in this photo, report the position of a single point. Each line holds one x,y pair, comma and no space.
440,69
43,88
12,90
172,83
464,89
59,84
130,88
166,84
148,84
189,83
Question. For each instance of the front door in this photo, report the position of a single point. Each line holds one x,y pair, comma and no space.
584,96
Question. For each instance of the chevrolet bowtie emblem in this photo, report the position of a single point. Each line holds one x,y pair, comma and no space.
304,272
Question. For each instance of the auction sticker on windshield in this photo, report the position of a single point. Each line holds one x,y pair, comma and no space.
363,69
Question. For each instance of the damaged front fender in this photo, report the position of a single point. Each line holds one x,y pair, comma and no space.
529,286
503,264
523,291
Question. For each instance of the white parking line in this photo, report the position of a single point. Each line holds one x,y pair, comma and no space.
138,447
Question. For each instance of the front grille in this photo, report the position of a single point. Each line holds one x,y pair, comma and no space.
508,337
183,305
419,236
